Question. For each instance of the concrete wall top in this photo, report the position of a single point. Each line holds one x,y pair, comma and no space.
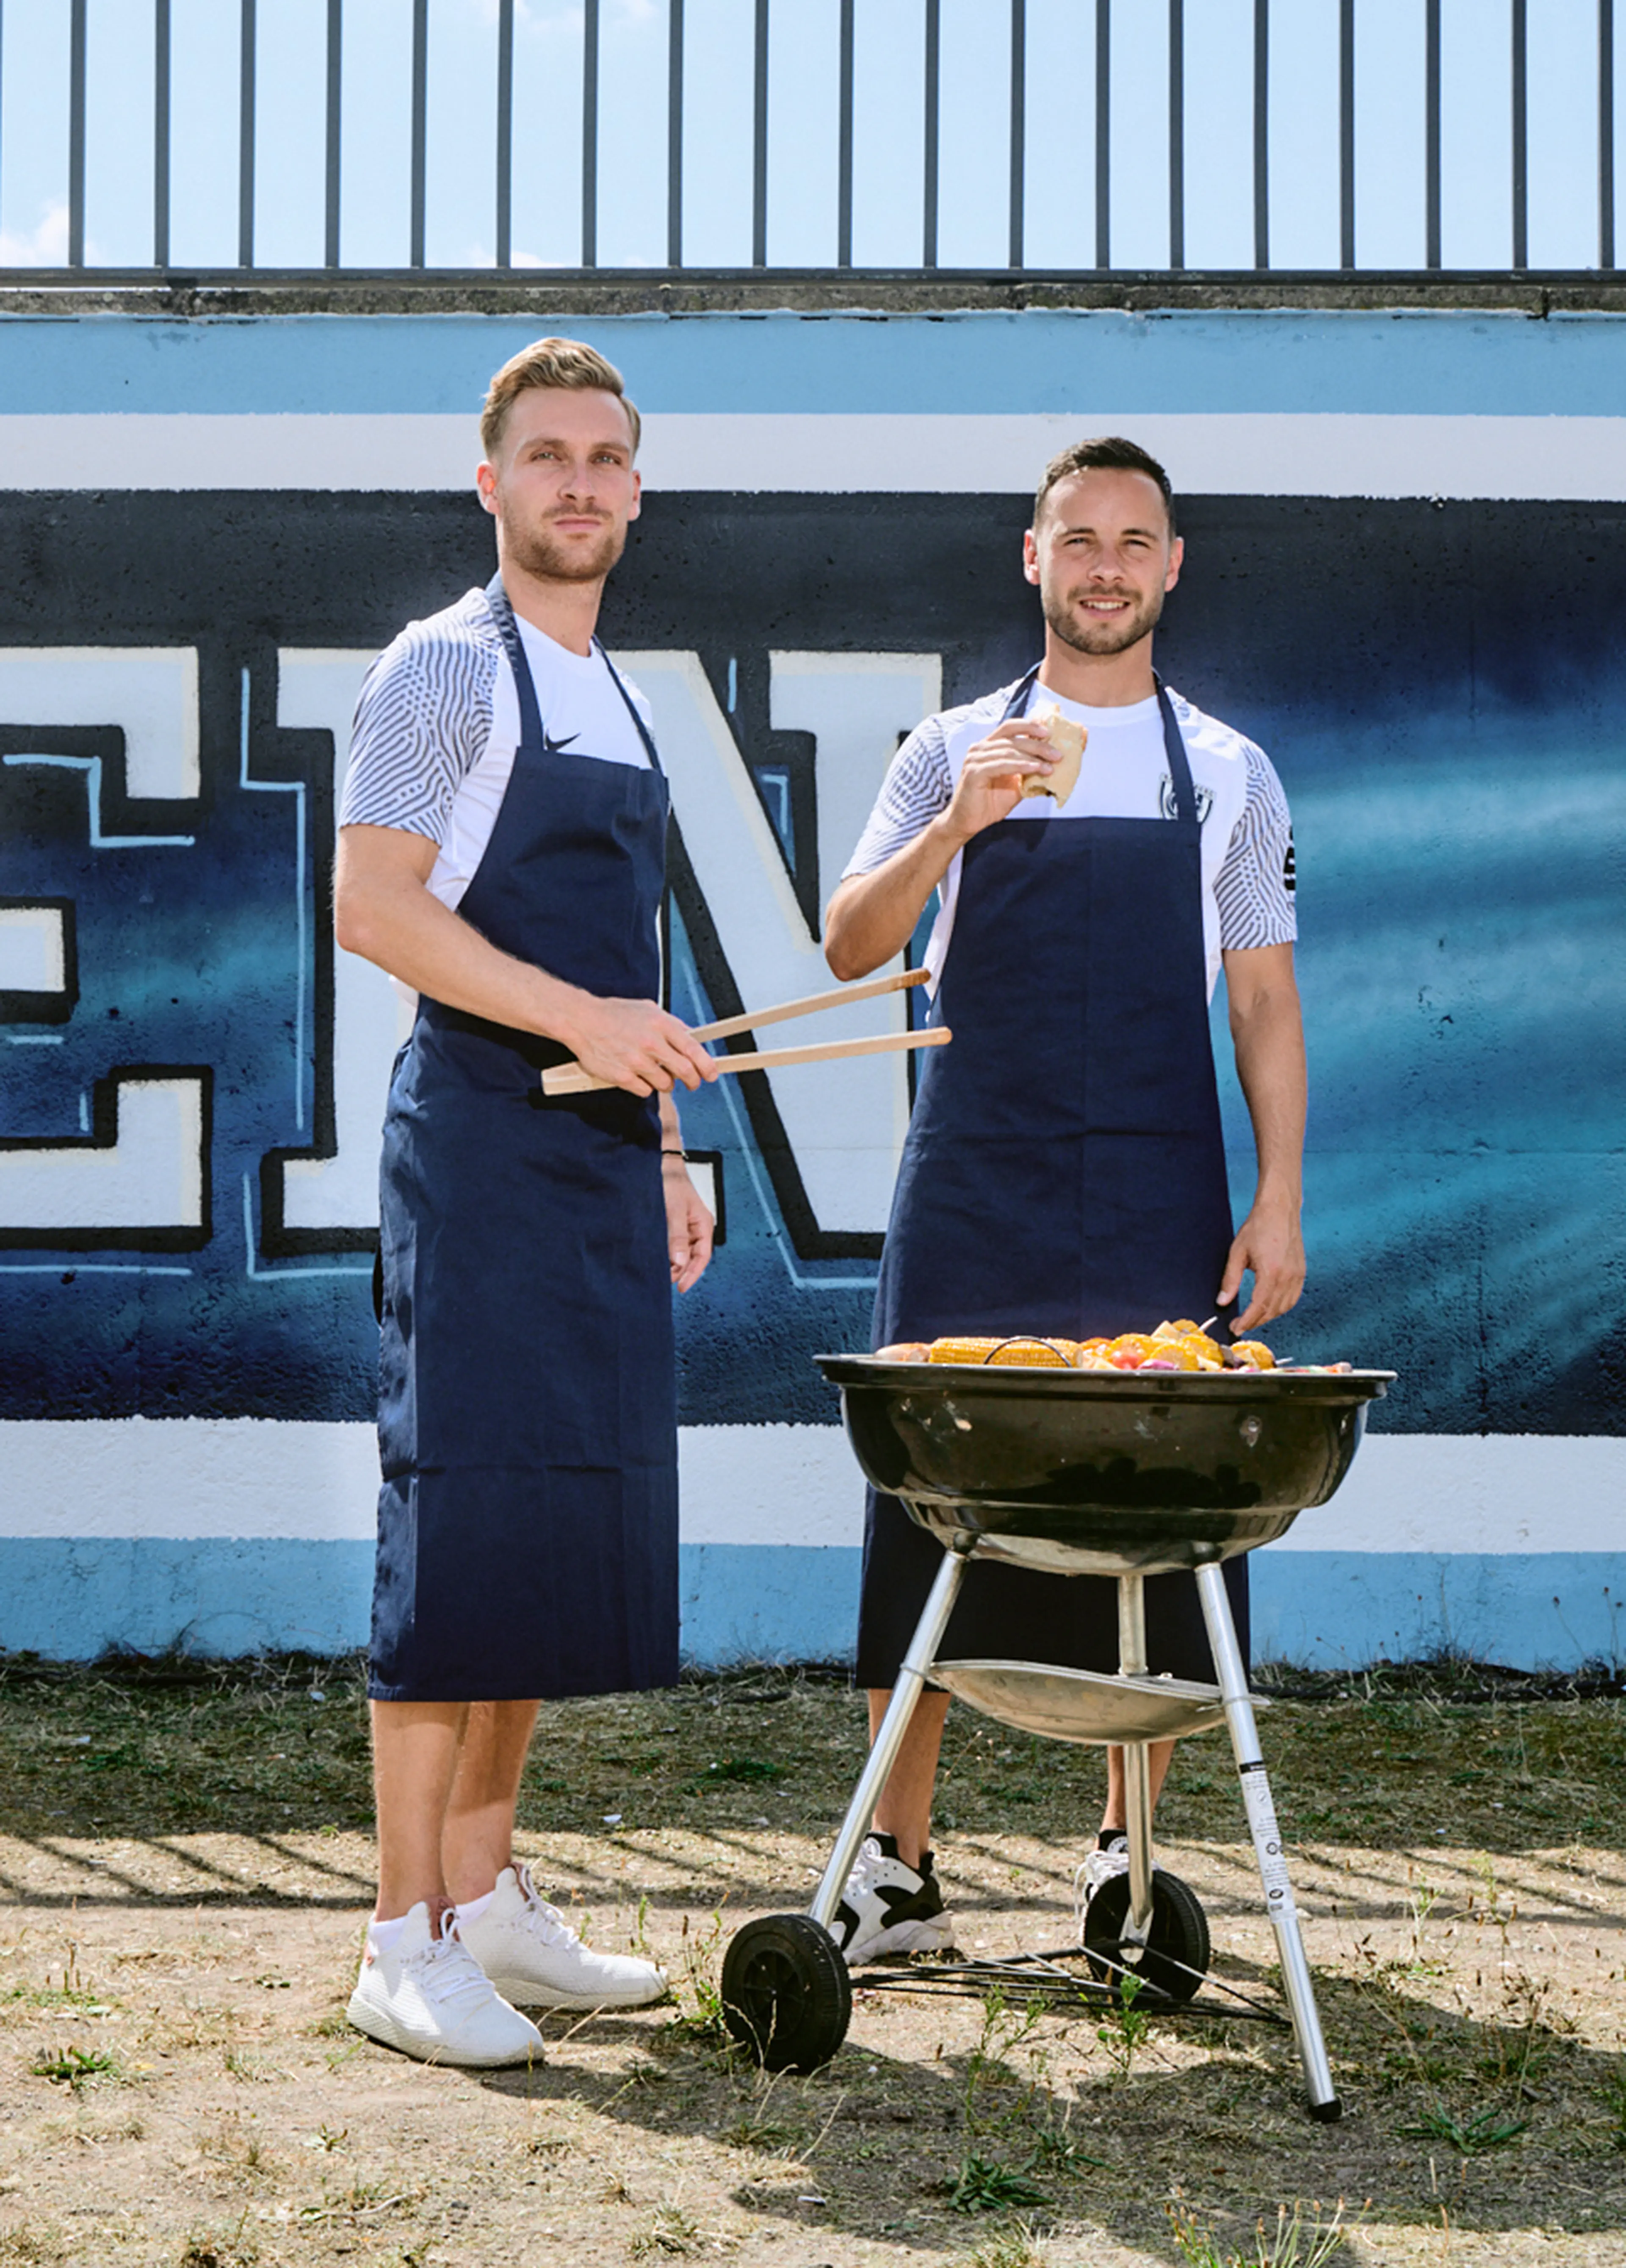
1412,361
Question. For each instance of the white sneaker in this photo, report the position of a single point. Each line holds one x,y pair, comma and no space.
1099,1867
534,1958
889,1906
427,1996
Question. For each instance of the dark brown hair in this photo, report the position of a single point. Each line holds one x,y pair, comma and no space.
1109,454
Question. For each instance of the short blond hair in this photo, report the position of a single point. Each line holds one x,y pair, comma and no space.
550,361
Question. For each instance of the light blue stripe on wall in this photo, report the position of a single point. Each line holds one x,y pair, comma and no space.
769,1601
1343,1609
1323,1609
1457,364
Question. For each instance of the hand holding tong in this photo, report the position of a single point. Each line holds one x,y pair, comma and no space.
574,1078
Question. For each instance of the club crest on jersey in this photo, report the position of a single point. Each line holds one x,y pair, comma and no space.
1165,798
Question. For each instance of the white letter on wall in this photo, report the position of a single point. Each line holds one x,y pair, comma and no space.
844,1121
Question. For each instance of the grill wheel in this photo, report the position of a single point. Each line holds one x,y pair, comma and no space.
786,1995
1175,1959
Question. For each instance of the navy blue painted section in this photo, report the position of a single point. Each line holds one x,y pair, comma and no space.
1324,1609
1441,689
1441,365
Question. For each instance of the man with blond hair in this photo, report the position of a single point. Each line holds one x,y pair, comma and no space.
502,853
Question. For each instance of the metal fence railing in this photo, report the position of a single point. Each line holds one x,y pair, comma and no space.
147,138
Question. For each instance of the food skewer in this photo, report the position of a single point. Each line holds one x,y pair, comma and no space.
572,1078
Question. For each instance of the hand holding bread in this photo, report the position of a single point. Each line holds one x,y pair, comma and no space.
1066,743
1003,767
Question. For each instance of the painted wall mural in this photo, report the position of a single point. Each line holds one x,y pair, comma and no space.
190,1076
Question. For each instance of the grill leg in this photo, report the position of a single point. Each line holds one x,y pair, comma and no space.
1295,1984
905,1693
1136,1784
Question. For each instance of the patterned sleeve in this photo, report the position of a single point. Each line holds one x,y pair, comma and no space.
1255,887
916,787
421,723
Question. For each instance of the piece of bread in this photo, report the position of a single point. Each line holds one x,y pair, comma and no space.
1067,739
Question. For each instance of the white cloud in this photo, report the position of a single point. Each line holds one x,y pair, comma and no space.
46,248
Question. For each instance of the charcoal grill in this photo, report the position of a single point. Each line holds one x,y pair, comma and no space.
1122,1473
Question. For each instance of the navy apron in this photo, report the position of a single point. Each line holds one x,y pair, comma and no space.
1064,1172
528,1517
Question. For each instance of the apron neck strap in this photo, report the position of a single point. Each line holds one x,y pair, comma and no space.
1180,768
1018,704
513,647
645,734
532,737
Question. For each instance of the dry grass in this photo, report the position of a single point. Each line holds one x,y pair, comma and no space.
184,1860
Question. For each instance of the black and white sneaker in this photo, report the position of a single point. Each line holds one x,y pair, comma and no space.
889,1908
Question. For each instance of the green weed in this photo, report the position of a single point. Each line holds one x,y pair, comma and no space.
1294,2242
1056,2151
61,1996
71,2066
700,1986
753,2132
739,1771
1017,2247
986,2185
1468,2136
1125,2032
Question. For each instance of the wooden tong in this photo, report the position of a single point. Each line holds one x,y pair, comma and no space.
572,1079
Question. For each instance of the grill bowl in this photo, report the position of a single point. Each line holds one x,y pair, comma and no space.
1097,1472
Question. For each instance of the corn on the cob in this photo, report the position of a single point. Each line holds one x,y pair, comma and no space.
962,1349
1178,1345
1034,1353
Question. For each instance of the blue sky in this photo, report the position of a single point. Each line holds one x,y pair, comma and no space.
888,135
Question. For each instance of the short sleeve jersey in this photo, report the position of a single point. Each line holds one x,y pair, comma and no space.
1247,842
437,723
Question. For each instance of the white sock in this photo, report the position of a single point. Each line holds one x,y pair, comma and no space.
382,1935
475,1907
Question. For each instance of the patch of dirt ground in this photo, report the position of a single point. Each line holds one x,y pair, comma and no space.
185,1867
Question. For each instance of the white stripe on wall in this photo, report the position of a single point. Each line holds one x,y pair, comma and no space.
1218,453
242,1477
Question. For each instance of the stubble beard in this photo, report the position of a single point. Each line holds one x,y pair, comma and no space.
1115,635
535,552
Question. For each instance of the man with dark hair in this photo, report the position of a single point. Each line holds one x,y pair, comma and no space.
1065,1170
502,852
1110,454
